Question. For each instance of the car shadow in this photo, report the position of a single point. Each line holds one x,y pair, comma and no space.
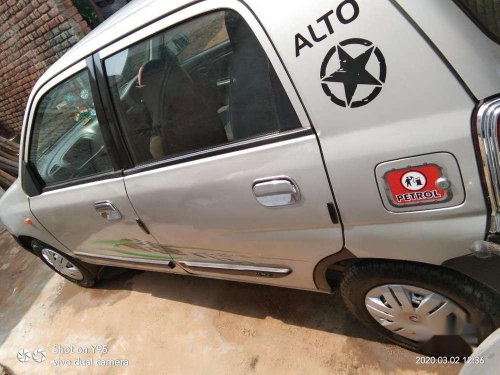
23,277
318,311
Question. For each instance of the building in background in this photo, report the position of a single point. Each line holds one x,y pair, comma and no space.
33,35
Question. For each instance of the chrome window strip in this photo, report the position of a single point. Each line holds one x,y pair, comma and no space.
487,131
152,261
262,141
235,267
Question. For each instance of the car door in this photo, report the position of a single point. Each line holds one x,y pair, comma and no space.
233,185
83,203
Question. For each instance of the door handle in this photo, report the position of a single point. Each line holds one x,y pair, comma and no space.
276,191
107,210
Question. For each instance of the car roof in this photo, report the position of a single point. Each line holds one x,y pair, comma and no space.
131,17
479,74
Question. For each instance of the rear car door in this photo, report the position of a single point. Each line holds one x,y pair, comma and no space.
397,104
83,203
228,173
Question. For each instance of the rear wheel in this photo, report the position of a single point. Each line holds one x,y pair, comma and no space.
78,272
424,308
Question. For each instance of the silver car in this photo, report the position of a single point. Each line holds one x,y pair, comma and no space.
314,145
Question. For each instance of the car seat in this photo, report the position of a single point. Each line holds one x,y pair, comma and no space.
181,119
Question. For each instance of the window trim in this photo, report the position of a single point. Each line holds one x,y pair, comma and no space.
123,157
75,69
83,180
219,150
184,15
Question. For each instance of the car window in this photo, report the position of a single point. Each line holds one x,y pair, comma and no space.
207,82
66,141
485,13
198,35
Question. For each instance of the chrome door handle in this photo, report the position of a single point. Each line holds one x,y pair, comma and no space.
107,210
276,191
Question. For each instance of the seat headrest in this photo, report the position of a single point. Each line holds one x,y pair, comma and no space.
150,70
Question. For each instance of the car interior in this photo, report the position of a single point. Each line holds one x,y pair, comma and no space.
67,140
173,95
225,93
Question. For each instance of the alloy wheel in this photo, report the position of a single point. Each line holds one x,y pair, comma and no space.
61,264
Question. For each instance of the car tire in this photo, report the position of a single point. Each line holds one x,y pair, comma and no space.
78,272
464,303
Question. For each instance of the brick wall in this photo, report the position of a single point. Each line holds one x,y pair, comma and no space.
33,35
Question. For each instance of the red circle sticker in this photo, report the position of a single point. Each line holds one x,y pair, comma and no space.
415,185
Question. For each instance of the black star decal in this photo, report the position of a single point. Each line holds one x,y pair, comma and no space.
352,72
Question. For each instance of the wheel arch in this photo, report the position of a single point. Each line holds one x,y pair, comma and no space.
25,242
329,271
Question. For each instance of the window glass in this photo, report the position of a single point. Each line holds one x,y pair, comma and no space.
127,63
66,140
206,82
485,13
198,35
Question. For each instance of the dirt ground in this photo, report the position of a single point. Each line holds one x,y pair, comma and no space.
153,323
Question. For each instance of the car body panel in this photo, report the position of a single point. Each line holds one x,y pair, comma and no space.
206,210
69,214
474,56
14,208
414,114
485,355
424,107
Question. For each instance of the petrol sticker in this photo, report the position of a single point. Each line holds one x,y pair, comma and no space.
415,186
